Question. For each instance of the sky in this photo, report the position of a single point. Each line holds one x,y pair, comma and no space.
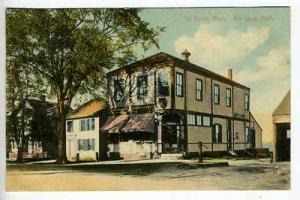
254,42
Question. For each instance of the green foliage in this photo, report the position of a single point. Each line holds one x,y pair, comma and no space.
71,49
20,88
68,51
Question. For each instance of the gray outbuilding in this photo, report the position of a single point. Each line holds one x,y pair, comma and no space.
281,129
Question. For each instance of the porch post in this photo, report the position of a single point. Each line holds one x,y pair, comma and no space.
159,134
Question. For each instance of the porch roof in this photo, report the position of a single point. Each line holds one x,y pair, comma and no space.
126,123
140,123
114,123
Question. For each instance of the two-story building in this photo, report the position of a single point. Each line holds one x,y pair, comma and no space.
83,138
163,104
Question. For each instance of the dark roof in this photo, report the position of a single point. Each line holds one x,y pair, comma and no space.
163,57
140,123
114,124
284,107
133,123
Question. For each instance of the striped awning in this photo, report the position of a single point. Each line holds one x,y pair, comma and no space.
140,123
114,124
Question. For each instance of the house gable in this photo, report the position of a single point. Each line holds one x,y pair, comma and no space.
88,109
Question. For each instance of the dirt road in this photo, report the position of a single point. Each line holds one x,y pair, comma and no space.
240,175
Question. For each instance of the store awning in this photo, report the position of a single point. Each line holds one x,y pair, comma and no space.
140,123
114,124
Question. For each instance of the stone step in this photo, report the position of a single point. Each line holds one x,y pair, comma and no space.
171,156
134,157
232,153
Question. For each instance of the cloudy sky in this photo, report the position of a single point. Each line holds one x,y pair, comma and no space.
254,42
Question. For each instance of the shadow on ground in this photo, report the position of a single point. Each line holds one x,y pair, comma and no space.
118,169
250,169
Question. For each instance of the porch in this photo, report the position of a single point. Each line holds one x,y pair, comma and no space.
143,136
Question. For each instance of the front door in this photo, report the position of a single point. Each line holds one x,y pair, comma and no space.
169,138
283,142
72,149
172,133
172,138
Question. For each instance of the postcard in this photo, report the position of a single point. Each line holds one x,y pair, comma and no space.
148,99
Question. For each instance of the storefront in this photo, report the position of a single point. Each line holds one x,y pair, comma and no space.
130,136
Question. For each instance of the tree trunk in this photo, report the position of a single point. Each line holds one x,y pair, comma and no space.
21,140
61,143
17,140
20,154
20,150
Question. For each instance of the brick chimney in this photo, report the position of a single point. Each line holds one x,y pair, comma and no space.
230,73
186,54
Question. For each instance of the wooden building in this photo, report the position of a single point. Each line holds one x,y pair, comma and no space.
40,131
281,130
83,139
166,105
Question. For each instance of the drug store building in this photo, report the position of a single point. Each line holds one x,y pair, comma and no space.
166,105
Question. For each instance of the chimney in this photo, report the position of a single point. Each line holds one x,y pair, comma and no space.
230,73
186,54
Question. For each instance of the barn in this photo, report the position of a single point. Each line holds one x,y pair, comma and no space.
281,129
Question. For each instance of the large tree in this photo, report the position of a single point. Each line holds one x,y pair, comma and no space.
20,88
71,49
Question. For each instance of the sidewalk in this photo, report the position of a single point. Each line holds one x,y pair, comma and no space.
126,162
188,164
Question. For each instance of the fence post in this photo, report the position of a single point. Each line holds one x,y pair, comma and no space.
97,156
77,157
271,157
200,152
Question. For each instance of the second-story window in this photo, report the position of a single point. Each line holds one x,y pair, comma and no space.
142,83
69,126
216,94
228,97
119,90
199,89
179,84
87,124
246,101
163,84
